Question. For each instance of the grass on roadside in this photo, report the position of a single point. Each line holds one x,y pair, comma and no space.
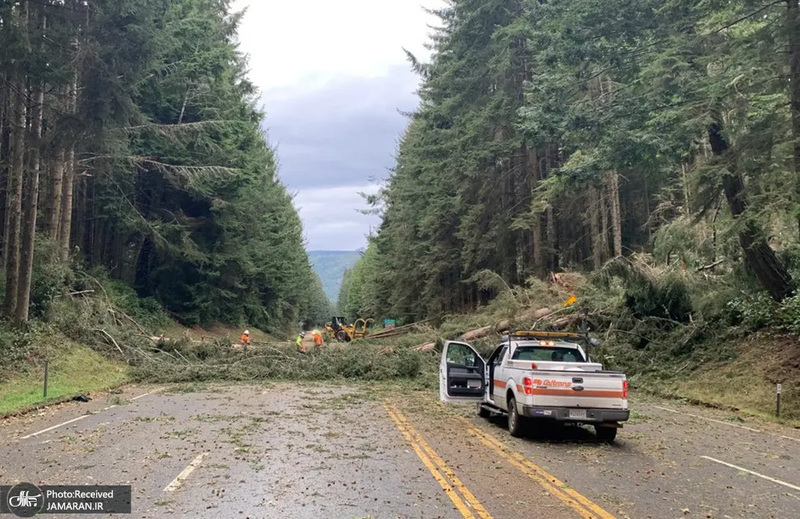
75,369
745,381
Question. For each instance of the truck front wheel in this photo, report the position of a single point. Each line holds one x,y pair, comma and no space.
605,434
516,423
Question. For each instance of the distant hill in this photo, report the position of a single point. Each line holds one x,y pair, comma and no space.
330,266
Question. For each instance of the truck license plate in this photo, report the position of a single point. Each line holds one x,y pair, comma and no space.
577,413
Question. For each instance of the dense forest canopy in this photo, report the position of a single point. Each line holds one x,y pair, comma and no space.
557,135
130,143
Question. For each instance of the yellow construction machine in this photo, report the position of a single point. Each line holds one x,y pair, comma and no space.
344,332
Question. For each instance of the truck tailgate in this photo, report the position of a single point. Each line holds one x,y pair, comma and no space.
598,389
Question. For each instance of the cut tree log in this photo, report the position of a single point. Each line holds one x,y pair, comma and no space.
428,346
484,331
476,334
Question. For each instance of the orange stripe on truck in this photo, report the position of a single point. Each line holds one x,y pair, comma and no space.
570,392
500,384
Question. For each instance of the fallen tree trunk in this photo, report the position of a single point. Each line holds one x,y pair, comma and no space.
476,334
400,330
484,331
428,346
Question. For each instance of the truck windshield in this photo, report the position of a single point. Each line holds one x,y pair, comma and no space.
540,353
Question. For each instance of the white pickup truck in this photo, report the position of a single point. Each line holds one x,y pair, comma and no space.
536,375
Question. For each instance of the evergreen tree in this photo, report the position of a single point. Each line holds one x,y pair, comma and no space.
560,134
143,127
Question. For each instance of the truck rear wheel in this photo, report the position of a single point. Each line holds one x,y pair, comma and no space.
516,423
605,434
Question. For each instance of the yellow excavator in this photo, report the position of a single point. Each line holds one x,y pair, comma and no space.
344,332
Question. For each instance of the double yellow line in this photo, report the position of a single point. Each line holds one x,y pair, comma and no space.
583,506
465,502
469,506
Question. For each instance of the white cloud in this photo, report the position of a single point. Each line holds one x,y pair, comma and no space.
305,44
332,217
328,74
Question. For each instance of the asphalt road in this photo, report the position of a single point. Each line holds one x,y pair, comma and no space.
314,451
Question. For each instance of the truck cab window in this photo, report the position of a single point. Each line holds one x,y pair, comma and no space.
541,354
461,355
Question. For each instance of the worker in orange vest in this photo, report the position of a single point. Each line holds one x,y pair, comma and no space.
245,340
317,338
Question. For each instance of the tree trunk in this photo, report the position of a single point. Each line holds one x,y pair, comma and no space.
65,228
81,234
550,220
604,231
30,206
5,109
31,198
14,200
66,206
612,179
58,169
685,181
536,232
793,33
771,274
595,208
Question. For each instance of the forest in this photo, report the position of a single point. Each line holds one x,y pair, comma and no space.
131,150
652,145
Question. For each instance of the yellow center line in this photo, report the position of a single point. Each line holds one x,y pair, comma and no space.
581,504
550,488
405,429
575,500
469,496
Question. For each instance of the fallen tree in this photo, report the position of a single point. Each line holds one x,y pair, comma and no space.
495,329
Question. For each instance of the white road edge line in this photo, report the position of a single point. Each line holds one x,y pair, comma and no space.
55,427
83,416
144,395
778,481
712,420
185,473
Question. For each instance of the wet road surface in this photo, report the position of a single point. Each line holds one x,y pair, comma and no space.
311,451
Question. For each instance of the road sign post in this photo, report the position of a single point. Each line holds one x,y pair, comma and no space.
778,401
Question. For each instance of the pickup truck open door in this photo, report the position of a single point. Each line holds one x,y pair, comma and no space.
462,374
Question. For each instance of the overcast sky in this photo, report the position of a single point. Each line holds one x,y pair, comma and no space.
333,76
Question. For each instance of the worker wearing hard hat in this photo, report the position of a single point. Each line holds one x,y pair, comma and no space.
317,338
300,346
245,340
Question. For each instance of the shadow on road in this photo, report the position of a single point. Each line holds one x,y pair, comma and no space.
553,433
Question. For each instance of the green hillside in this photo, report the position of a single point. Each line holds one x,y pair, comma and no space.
330,265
